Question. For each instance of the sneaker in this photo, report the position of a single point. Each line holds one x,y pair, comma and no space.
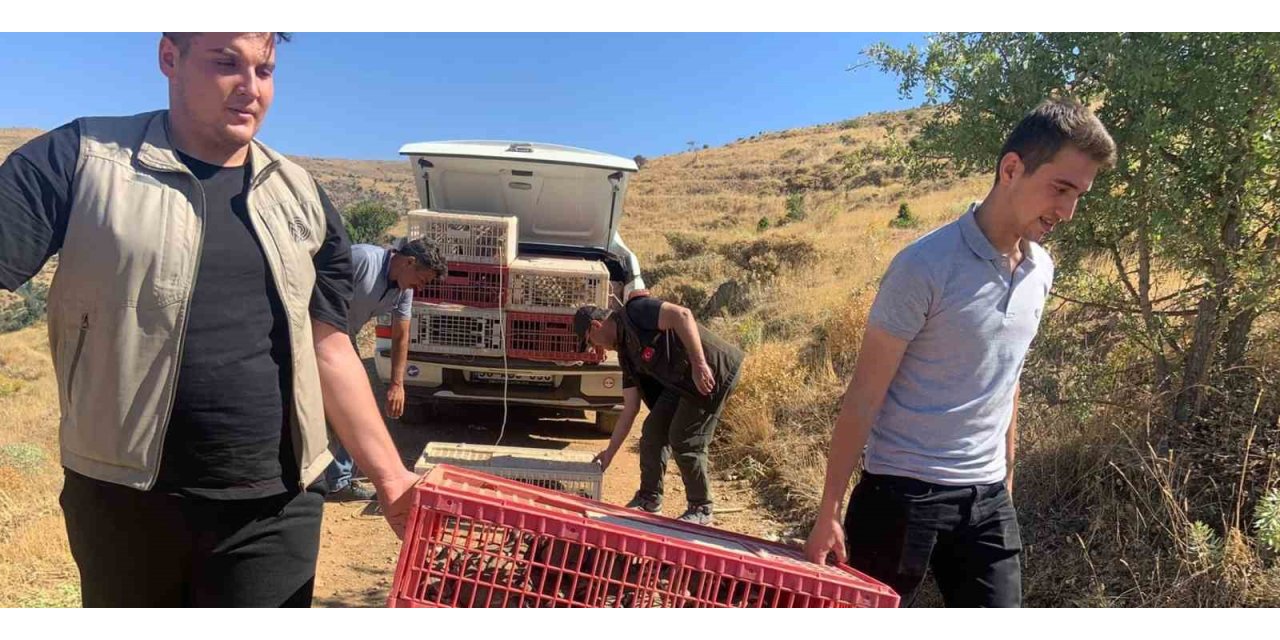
354,493
700,514
646,502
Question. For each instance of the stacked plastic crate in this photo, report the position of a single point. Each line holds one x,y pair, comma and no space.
542,295
461,313
492,301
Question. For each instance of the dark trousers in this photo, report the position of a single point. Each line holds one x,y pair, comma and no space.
150,549
896,528
679,426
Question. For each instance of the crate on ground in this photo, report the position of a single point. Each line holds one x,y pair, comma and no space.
545,337
572,472
456,329
468,283
467,237
477,540
540,284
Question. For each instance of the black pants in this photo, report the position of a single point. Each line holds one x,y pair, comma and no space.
897,527
679,426
150,549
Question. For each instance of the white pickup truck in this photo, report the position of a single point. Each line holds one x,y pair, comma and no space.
568,203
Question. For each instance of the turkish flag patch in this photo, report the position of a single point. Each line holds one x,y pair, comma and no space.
647,354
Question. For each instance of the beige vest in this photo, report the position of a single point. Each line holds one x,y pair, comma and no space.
119,300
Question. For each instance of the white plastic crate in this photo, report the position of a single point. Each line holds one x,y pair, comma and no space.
457,330
573,472
466,237
539,284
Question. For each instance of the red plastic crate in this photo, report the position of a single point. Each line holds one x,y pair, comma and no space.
469,284
477,540
545,337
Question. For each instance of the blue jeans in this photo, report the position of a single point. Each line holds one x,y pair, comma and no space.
338,475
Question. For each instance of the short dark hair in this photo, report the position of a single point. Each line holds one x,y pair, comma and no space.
425,251
1052,124
182,39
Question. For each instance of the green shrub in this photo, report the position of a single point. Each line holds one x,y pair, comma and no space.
367,222
687,245
795,209
1267,520
27,310
905,219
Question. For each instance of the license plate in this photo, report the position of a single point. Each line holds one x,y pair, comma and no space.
515,378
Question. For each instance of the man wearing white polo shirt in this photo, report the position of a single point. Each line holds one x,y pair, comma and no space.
934,393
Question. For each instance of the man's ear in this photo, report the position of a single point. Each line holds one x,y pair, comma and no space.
1011,167
168,56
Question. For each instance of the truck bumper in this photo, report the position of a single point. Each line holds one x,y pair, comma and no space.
450,378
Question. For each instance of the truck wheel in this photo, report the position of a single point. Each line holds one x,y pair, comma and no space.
606,421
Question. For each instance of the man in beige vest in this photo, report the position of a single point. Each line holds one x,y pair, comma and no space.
197,325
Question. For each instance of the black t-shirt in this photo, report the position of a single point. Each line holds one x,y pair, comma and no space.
229,434
236,347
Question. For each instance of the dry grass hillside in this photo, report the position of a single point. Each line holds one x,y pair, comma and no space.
693,219
346,181
350,181
778,241
11,139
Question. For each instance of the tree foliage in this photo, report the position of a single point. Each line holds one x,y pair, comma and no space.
367,222
1187,224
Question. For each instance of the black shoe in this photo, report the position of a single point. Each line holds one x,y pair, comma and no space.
354,493
646,502
700,514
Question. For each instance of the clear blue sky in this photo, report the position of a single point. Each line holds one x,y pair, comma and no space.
363,95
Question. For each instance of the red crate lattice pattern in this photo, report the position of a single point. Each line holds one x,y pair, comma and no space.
473,285
476,540
545,337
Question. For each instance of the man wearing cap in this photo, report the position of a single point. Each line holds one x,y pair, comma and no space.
384,280
684,373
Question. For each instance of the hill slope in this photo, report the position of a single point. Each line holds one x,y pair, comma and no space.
346,181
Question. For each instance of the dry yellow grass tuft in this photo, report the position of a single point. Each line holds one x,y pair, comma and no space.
35,561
